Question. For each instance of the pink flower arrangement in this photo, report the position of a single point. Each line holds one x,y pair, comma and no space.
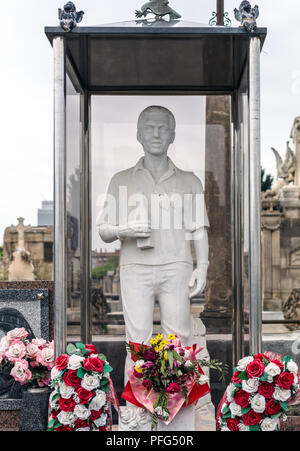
28,362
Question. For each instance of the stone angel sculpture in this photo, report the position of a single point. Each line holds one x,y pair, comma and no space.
285,171
247,16
69,17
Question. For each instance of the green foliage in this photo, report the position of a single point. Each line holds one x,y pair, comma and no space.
1,251
266,180
101,271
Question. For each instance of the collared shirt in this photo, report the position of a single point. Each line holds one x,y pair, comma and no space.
174,206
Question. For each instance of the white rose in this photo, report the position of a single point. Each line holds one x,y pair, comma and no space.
90,382
243,427
296,380
82,412
101,421
272,370
258,403
250,385
98,401
54,403
225,429
66,418
203,379
158,411
55,373
292,367
188,363
235,409
74,362
66,392
4,345
281,395
243,363
269,424
83,430
229,392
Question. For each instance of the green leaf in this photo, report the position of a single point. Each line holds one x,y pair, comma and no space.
225,410
71,349
163,367
287,359
80,346
107,369
266,361
284,406
177,357
102,357
51,423
243,376
171,359
254,428
264,377
80,373
246,410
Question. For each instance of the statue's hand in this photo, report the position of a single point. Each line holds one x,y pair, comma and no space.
198,280
134,230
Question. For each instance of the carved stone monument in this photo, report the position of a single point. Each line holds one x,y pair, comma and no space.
21,267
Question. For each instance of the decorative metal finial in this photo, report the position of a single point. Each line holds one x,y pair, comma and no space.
219,17
159,8
68,17
247,16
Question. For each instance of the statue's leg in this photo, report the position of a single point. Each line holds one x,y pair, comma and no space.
138,303
174,300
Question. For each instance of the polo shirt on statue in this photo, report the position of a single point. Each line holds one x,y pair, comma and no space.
174,206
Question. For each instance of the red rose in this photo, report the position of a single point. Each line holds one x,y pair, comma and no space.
63,429
55,413
61,362
242,398
91,348
93,364
261,357
235,378
285,380
265,389
251,418
272,408
84,395
102,428
80,424
95,414
255,368
233,424
71,379
67,405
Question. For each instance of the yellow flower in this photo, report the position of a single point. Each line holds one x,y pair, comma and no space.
171,337
153,341
163,343
166,357
159,337
138,368
156,348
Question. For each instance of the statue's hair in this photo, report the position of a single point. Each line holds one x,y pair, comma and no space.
154,109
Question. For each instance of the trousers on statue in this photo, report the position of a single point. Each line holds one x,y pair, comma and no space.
141,285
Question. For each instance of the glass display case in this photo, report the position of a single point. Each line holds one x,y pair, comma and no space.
208,77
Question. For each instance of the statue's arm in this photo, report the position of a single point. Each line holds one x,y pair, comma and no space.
198,279
108,232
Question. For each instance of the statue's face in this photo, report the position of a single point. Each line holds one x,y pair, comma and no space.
155,133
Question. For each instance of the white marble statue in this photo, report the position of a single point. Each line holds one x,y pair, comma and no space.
157,210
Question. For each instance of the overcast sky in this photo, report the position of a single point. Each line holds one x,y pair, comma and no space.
27,88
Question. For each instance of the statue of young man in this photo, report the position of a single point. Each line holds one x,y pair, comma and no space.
165,211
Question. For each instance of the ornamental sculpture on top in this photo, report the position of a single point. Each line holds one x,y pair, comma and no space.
247,16
160,8
68,17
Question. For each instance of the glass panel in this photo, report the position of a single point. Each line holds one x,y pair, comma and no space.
73,207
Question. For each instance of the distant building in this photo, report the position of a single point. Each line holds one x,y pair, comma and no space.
100,258
38,241
46,214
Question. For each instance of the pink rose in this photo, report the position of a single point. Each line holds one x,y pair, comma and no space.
4,345
32,350
20,372
40,342
46,358
173,388
44,381
16,351
17,334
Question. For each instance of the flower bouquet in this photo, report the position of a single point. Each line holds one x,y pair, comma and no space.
261,389
166,377
28,362
82,391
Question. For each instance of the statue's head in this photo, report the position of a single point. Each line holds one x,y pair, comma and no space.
70,7
245,6
156,129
